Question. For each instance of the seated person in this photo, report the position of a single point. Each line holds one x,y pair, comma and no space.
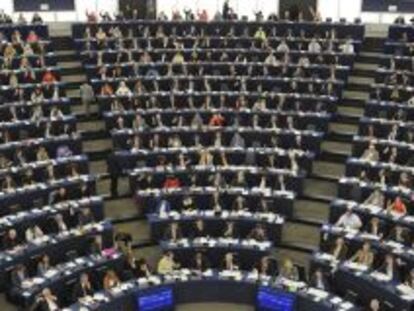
349,220
340,249
397,207
200,262
375,227
47,301
173,232
229,262
399,234
43,265
143,270
319,281
167,264
18,275
364,256
96,246
11,239
376,198
82,288
264,267
410,279
110,280
230,230
33,233
59,223
289,270
85,217
390,267
258,233
371,153
199,229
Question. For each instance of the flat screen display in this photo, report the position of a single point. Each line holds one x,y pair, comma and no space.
270,299
43,5
402,6
161,298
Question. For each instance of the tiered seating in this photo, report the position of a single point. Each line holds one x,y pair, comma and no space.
216,124
52,225
369,239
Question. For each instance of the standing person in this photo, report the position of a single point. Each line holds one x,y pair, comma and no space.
87,96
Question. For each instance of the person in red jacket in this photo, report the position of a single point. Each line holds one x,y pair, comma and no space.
49,77
216,120
172,182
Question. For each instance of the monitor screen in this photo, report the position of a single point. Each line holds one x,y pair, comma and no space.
44,5
160,298
270,299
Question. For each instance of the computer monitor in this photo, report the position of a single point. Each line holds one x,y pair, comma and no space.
160,298
270,299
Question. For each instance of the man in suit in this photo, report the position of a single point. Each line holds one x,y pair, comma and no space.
200,262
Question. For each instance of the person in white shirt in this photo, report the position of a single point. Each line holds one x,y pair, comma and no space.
349,220
33,233
283,47
314,46
371,153
123,89
347,47
270,59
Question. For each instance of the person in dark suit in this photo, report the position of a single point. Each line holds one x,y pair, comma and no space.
319,281
85,217
82,288
43,265
390,268
10,240
200,262
96,246
173,232
143,270
265,267
18,275
399,234
226,10
230,230
199,229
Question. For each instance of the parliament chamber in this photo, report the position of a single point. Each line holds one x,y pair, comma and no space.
199,158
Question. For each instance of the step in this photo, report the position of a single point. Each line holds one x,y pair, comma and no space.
98,167
94,129
68,68
355,95
333,146
329,169
66,56
315,211
348,115
320,188
121,208
335,151
76,78
369,57
293,232
139,229
299,253
97,145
